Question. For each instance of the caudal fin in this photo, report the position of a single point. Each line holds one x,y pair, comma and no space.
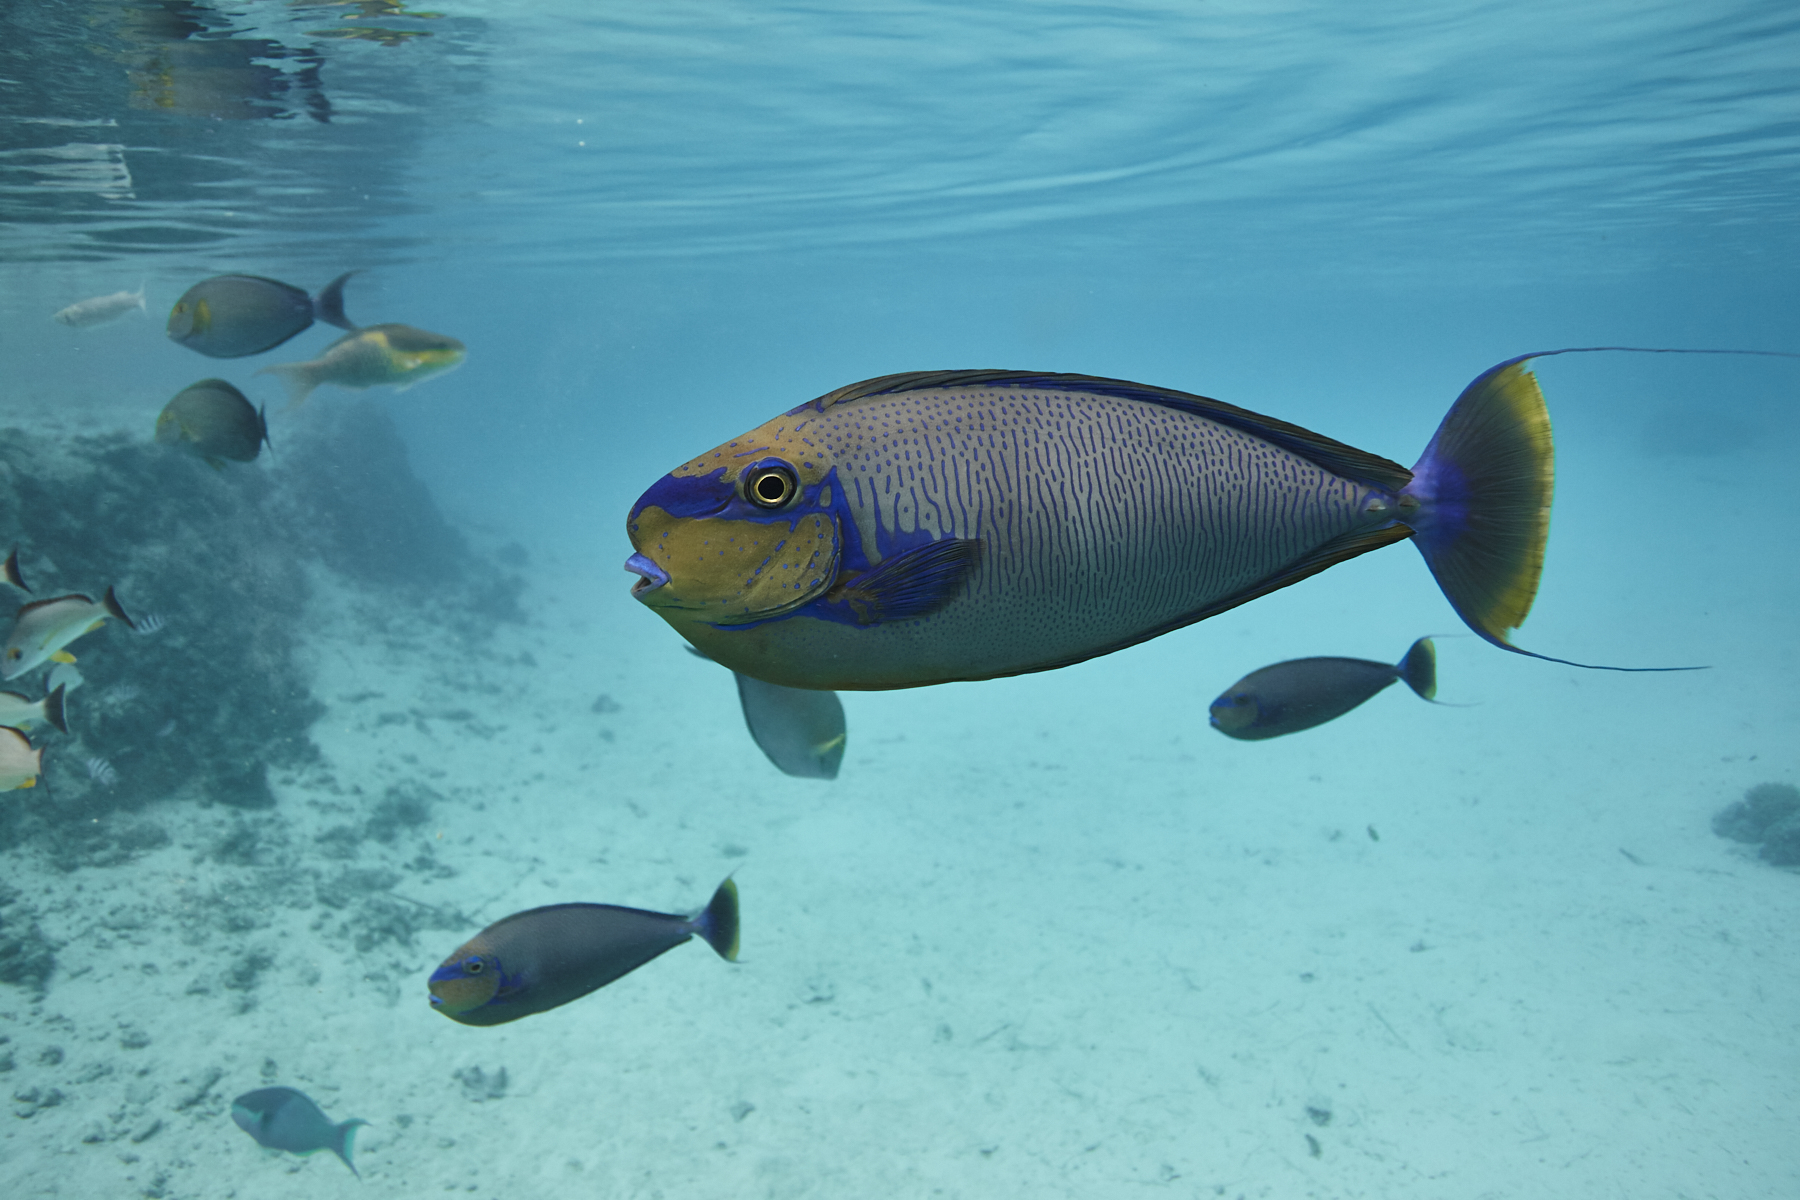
1418,670
299,378
719,923
328,305
1482,500
347,1142
54,710
1479,502
111,604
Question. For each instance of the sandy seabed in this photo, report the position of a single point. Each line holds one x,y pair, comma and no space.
1047,936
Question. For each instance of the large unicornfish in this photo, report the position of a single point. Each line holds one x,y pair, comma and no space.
958,525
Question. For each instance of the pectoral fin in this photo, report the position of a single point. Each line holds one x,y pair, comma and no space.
63,656
914,583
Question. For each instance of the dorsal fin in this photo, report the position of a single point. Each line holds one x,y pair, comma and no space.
1332,455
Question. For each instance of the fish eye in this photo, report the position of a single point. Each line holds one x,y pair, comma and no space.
472,966
770,486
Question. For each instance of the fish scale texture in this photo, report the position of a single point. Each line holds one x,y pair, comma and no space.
1101,518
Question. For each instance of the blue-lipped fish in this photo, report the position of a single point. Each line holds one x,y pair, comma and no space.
958,525
20,762
11,573
98,310
44,627
215,421
545,957
282,1118
233,316
381,354
22,712
1303,692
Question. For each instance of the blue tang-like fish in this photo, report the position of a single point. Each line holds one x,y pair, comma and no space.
284,1119
543,958
958,525
1303,692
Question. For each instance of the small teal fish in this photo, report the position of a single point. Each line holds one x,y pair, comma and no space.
284,1119
43,627
214,420
802,732
1303,692
232,316
545,957
381,354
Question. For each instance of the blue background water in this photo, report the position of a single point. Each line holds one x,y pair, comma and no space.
657,224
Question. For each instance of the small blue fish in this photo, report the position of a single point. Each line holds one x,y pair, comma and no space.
1303,692
284,1119
231,316
543,958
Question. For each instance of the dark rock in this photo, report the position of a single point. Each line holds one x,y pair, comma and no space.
480,1086
27,957
1781,843
1763,806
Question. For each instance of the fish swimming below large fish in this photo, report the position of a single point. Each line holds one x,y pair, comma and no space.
380,354
98,310
543,958
1303,692
800,731
43,627
215,421
233,316
960,525
283,1118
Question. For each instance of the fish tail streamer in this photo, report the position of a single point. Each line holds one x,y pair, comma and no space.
719,922
1418,670
1480,510
299,378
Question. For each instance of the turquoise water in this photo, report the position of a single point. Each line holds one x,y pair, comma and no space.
1048,935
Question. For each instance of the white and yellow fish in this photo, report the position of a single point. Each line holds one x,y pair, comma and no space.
98,310
381,354
44,627
20,763
22,712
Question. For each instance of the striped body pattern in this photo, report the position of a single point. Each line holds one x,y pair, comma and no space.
1102,520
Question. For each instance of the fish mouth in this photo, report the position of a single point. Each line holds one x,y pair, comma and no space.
650,576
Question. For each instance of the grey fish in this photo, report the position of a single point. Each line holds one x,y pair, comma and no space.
20,762
1303,692
539,959
801,731
11,571
43,627
381,354
98,310
215,421
284,1119
232,316
22,712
